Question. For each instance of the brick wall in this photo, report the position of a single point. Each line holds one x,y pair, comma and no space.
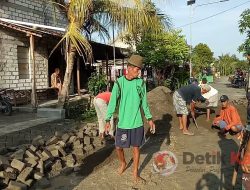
9,75
34,11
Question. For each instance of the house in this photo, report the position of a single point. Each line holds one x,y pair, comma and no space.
22,19
15,64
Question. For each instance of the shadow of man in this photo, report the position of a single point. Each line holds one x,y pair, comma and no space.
208,181
229,149
155,141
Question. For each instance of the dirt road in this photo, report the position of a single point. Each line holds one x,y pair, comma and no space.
203,159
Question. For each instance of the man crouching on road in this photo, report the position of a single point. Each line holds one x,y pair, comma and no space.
229,119
129,93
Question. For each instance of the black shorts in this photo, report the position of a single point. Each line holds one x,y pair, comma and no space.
125,138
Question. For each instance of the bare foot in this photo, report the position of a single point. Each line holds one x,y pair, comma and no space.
122,168
188,133
139,180
181,128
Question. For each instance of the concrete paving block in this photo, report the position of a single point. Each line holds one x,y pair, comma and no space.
14,185
33,148
62,144
55,152
55,113
40,166
70,160
30,154
71,139
38,175
31,162
18,154
10,169
1,174
65,137
51,147
39,153
57,166
77,143
46,155
17,164
87,140
94,133
52,140
80,134
10,174
23,176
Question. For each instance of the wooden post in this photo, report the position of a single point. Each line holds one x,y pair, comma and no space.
32,58
107,70
78,76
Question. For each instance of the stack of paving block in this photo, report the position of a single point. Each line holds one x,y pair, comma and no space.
48,158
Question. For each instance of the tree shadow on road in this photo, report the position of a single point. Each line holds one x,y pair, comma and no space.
153,145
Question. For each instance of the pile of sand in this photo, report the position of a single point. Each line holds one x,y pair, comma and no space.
161,106
160,101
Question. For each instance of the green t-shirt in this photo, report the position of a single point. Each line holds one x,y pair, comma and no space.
129,108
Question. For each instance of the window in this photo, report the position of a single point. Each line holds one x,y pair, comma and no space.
23,62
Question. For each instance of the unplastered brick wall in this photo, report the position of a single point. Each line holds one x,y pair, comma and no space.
34,11
9,70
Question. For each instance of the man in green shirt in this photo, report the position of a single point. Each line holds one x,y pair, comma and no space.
129,93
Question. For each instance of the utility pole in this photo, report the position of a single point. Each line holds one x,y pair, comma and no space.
190,3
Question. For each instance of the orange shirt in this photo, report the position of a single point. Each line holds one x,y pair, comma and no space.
104,96
230,116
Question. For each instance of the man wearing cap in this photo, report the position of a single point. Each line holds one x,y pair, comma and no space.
129,93
187,95
229,119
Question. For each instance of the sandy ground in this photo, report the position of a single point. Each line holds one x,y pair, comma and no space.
99,170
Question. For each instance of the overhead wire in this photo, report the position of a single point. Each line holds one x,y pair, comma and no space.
214,15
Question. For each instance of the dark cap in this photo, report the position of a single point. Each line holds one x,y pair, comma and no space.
224,98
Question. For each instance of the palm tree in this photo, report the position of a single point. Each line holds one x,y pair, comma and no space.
125,15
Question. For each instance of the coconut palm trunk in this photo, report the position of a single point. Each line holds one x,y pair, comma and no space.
67,77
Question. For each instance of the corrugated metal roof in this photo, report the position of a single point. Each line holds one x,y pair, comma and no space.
100,51
39,32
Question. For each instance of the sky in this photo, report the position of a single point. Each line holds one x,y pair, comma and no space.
220,33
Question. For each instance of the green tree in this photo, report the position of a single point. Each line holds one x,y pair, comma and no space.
227,64
202,57
124,15
162,50
244,28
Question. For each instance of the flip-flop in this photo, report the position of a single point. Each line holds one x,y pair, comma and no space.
188,133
